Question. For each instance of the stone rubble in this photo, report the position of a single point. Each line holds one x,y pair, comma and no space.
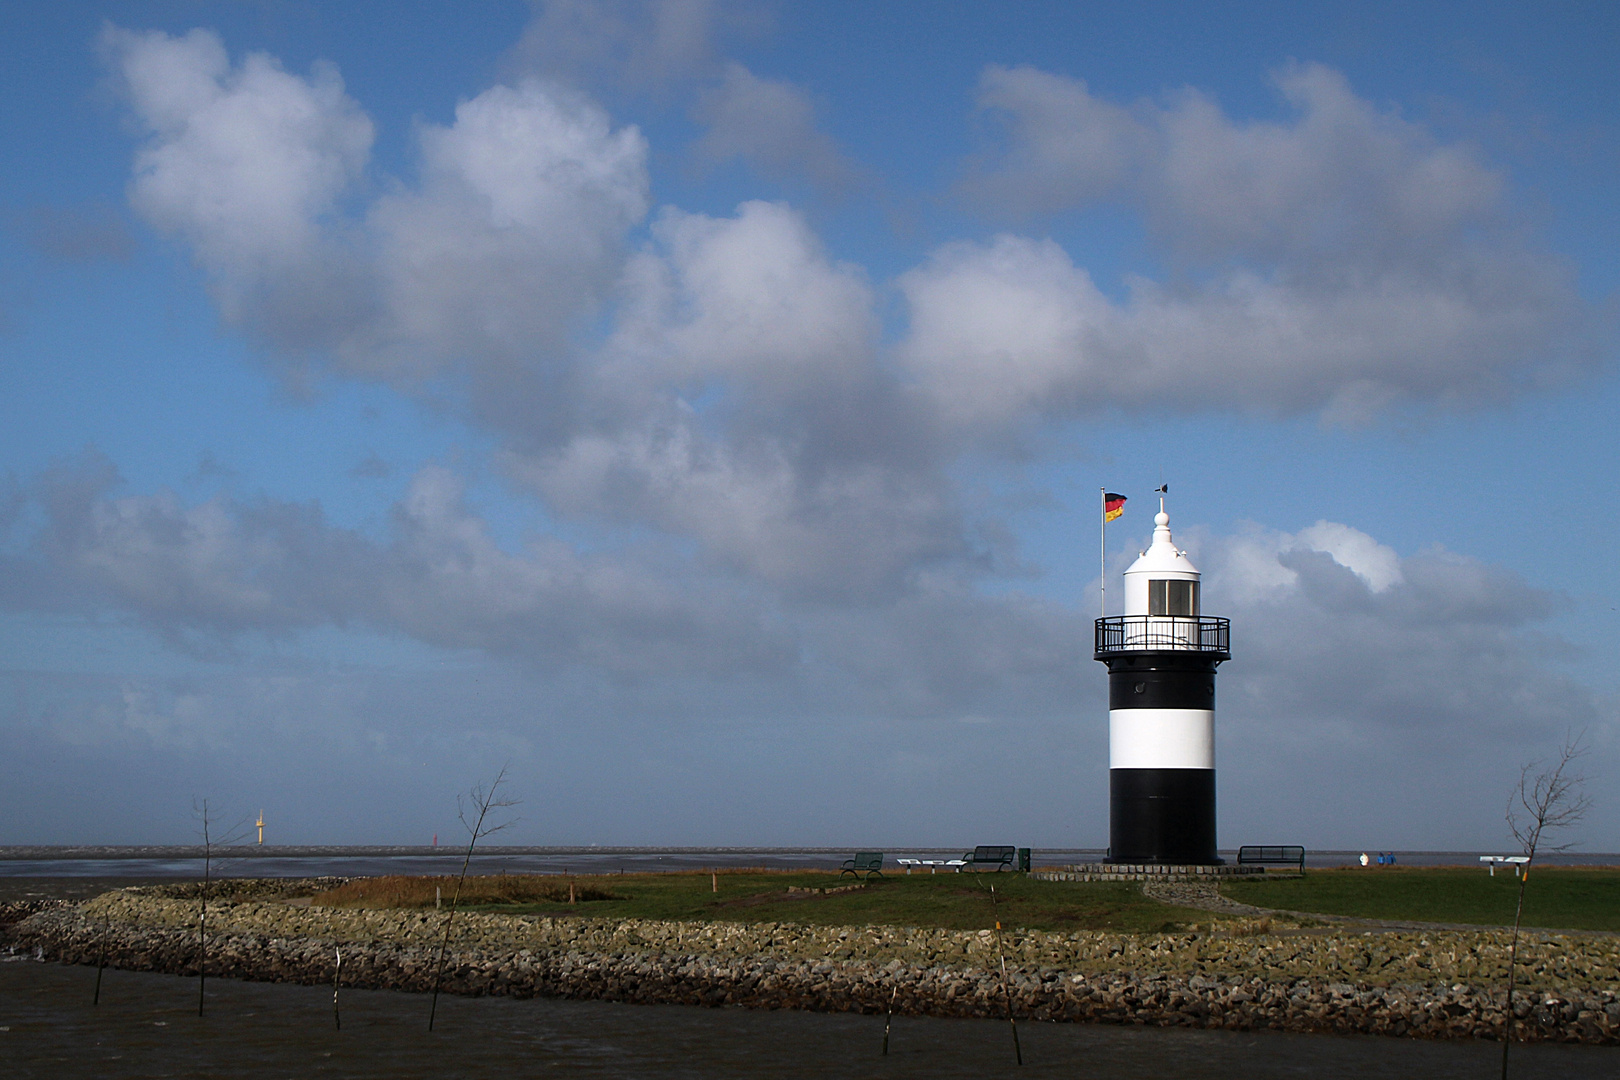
1431,985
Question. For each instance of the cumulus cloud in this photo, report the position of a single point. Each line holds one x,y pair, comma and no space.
1342,640
1063,144
754,296
1340,176
518,227
1246,342
515,230
1352,664
1000,333
799,464
1340,261
727,383
636,44
1330,626
772,125
739,398
222,568
244,161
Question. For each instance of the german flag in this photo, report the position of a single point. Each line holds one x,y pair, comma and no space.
1113,506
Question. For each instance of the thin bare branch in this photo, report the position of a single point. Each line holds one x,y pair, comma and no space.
1546,800
481,799
211,839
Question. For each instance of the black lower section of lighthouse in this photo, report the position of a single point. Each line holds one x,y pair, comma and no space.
1161,816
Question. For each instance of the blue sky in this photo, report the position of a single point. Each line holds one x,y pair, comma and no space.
701,406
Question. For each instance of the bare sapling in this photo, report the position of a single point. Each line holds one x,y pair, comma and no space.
1544,802
210,839
473,809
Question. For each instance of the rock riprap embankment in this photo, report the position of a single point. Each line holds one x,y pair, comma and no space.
1442,984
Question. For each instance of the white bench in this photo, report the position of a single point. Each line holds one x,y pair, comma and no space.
932,864
1516,861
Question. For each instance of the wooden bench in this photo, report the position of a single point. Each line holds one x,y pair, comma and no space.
1272,855
990,855
869,863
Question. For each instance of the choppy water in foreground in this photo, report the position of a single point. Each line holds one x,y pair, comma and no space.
147,1026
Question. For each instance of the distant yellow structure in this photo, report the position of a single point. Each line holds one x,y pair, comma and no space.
260,824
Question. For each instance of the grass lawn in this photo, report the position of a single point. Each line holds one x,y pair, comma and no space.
950,901
1557,898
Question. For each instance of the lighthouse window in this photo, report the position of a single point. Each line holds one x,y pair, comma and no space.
1172,598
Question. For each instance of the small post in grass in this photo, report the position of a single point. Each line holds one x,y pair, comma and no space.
1006,987
202,915
888,1019
106,928
714,881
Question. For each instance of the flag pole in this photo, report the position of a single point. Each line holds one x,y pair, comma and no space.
1102,548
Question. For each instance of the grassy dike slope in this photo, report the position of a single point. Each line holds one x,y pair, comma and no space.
1227,949
943,901
1563,898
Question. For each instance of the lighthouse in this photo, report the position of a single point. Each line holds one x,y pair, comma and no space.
1161,655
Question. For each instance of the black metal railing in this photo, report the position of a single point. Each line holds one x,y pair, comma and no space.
1164,633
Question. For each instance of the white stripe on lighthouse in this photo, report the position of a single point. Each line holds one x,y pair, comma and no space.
1161,739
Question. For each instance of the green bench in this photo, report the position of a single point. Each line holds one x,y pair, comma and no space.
868,863
1272,855
990,855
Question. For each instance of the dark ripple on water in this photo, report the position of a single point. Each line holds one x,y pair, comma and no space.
147,1026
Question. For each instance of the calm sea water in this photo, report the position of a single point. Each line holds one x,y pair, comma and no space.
288,862
147,1026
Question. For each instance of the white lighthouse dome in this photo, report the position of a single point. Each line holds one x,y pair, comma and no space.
1162,562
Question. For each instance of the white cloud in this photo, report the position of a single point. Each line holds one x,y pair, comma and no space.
1064,145
1339,177
638,44
1424,679
1344,641
1340,261
513,235
1333,632
755,296
772,125
743,404
847,532
516,231
204,574
1372,562
1006,332
243,161
739,393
